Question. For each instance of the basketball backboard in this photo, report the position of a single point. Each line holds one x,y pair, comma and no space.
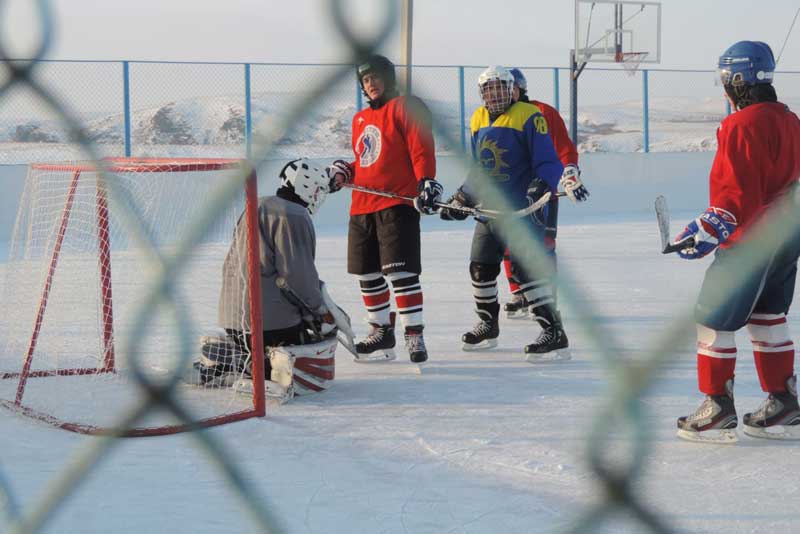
614,31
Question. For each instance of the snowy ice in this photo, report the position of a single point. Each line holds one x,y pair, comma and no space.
480,442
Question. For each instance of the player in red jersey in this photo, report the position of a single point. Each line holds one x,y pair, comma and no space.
394,150
753,187
544,307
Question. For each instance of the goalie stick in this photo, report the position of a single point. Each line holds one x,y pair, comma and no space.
478,213
662,216
344,331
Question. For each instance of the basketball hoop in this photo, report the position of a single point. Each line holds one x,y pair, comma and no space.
630,61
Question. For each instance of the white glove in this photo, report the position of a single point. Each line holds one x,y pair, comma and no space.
571,182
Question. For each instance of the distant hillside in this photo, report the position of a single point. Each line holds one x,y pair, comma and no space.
216,126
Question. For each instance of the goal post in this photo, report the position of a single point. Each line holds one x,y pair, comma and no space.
76,277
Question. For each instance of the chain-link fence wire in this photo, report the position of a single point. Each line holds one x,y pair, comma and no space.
187,109
31,129
621,410
153,109
159,396
690,101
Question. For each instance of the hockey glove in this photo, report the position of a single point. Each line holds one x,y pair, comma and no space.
340,172
709,230
458,200
430,192
571,182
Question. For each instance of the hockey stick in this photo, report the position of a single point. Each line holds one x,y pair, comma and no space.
478,213
292,296
662,216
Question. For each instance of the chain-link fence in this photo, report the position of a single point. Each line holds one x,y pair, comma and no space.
87,110
130,108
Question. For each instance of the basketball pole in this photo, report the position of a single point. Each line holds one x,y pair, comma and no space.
406,43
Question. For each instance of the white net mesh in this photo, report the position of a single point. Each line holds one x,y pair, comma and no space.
631,61
58,298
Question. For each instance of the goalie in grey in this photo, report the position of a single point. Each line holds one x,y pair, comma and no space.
300,334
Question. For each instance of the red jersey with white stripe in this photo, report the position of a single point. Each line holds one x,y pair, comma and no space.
758,158
394,149
564,146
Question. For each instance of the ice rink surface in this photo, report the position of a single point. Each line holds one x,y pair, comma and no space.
479,443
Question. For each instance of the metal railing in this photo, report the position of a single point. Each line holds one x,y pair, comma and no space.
151,108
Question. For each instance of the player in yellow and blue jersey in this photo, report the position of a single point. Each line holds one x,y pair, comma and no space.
512,146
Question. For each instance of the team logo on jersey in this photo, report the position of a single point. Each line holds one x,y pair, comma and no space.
368,146
491,157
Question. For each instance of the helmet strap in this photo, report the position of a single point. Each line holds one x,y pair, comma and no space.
287,193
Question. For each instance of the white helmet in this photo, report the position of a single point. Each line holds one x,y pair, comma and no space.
310,183
496,96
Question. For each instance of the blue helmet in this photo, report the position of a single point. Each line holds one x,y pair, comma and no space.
747,63
519,79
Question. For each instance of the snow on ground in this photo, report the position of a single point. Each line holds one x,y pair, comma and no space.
479,443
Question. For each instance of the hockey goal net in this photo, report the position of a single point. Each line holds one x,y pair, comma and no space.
78,281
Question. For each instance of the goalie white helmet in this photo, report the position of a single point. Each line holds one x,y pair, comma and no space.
496,88
309,182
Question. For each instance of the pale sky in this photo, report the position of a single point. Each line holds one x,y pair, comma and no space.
452,32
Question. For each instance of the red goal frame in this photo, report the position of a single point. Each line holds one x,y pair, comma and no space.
140,165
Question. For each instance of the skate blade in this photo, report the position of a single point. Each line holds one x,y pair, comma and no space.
386,355
517,314
781,432
485,344
554,356
720,437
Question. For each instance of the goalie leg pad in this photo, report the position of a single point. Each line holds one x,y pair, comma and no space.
220,364
314,365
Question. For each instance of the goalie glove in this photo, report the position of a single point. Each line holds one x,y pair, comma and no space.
340,172
572,185
709,230
430,193
458,200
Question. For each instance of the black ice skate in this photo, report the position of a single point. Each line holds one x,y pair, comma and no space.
778,417
552,342
378,346
517,307
713,422
415,344
482,336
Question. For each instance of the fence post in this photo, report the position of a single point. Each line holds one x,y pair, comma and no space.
462,108
359,102
126,104
248,117
646,94
556,91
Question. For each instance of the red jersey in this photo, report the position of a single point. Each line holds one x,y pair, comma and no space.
565,148
394,149
758,158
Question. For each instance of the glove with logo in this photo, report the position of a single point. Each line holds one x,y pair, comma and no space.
571,182
709,230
